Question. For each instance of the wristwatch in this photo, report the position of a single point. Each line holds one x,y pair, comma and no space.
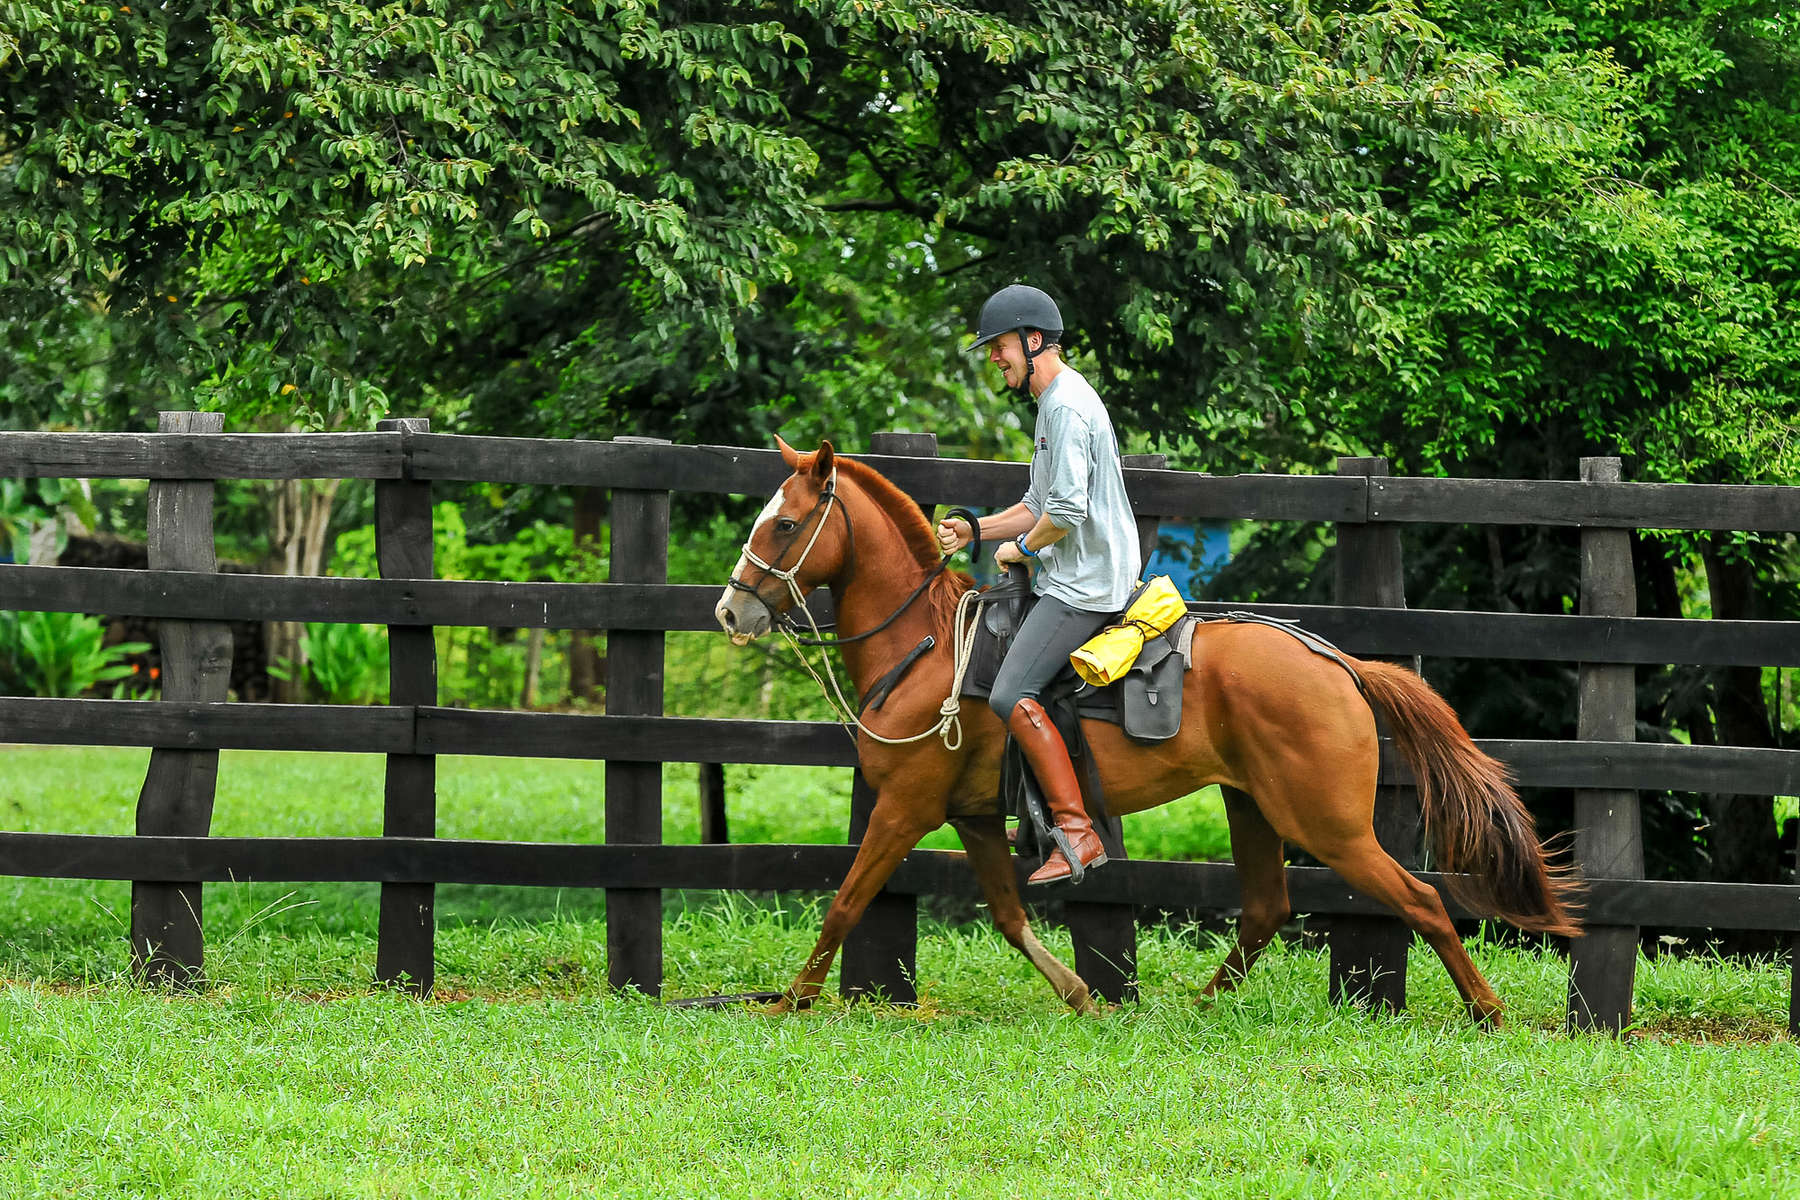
1023,548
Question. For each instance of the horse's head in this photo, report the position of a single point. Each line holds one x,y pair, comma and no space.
796,545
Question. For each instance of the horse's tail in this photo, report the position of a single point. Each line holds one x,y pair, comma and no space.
1485,840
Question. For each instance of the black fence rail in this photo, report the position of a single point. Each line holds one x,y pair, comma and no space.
172,855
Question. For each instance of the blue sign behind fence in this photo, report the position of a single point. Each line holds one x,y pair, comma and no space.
1189,554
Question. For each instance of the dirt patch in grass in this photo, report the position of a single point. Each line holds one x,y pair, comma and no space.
1704,1029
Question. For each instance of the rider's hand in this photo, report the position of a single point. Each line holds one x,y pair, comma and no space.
1008,553
953,535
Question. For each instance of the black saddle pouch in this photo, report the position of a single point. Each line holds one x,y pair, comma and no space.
1151,691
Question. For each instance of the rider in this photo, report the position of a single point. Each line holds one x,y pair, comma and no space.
1076,523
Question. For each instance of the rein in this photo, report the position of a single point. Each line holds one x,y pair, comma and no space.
949,723
867,633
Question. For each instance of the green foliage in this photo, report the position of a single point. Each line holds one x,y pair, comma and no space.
1280,232
270,200
706,223
59,654
20,512
342,663
485,668
539,550
1625,287
29,504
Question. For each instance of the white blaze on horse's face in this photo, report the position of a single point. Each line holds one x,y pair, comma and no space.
738,612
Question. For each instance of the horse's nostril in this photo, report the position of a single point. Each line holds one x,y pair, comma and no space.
728,618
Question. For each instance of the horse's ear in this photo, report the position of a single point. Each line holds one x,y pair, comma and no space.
823,461
789,455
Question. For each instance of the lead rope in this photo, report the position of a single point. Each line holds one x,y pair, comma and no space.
949,723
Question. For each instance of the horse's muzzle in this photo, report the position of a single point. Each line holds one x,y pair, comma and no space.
742,616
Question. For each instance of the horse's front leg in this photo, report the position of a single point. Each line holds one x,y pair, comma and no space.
891,837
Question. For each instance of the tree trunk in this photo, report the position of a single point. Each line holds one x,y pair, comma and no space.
587,669
534,661
302,529
765,694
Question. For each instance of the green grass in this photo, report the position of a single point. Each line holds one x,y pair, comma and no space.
288,1075
549,1087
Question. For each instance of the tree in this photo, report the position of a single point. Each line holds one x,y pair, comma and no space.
359,202
278,211
277,199
1626,287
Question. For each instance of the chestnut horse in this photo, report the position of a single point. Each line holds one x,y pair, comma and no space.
1282,729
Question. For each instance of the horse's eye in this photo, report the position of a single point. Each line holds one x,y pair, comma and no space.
786,525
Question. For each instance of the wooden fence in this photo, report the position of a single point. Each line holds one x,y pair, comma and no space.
171,854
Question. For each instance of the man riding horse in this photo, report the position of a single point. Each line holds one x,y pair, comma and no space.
1289,732
1075,522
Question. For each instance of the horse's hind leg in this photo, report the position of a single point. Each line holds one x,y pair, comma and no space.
1369,869
1262,876
985,840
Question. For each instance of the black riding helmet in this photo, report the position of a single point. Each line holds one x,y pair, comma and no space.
1019,307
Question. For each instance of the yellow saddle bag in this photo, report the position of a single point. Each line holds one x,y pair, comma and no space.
1107,655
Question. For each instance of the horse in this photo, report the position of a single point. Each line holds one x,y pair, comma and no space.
1287,734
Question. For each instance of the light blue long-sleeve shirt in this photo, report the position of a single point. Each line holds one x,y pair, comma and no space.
1077,479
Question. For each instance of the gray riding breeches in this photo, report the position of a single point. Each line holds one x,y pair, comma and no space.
1040,650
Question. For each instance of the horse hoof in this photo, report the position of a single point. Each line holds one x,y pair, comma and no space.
1083,1003
790,1002
1492,1018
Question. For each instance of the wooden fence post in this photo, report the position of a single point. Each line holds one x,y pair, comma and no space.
1368,954
1105,935
1609,841
634,687
880,957
167,931
403,550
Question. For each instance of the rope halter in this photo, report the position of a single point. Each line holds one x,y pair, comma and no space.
789,576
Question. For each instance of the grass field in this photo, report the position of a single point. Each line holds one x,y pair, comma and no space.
290,1076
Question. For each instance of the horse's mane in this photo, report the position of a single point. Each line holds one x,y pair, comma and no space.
914,529
906,515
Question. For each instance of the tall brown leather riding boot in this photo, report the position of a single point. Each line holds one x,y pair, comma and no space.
1044,749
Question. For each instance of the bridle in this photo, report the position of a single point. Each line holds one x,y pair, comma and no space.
828,499
949,724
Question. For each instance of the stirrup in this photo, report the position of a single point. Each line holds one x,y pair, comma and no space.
1066,848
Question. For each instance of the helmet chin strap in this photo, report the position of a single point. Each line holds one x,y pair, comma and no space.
1024,388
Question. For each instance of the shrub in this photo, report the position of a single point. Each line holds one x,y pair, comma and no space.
344,664
59,654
